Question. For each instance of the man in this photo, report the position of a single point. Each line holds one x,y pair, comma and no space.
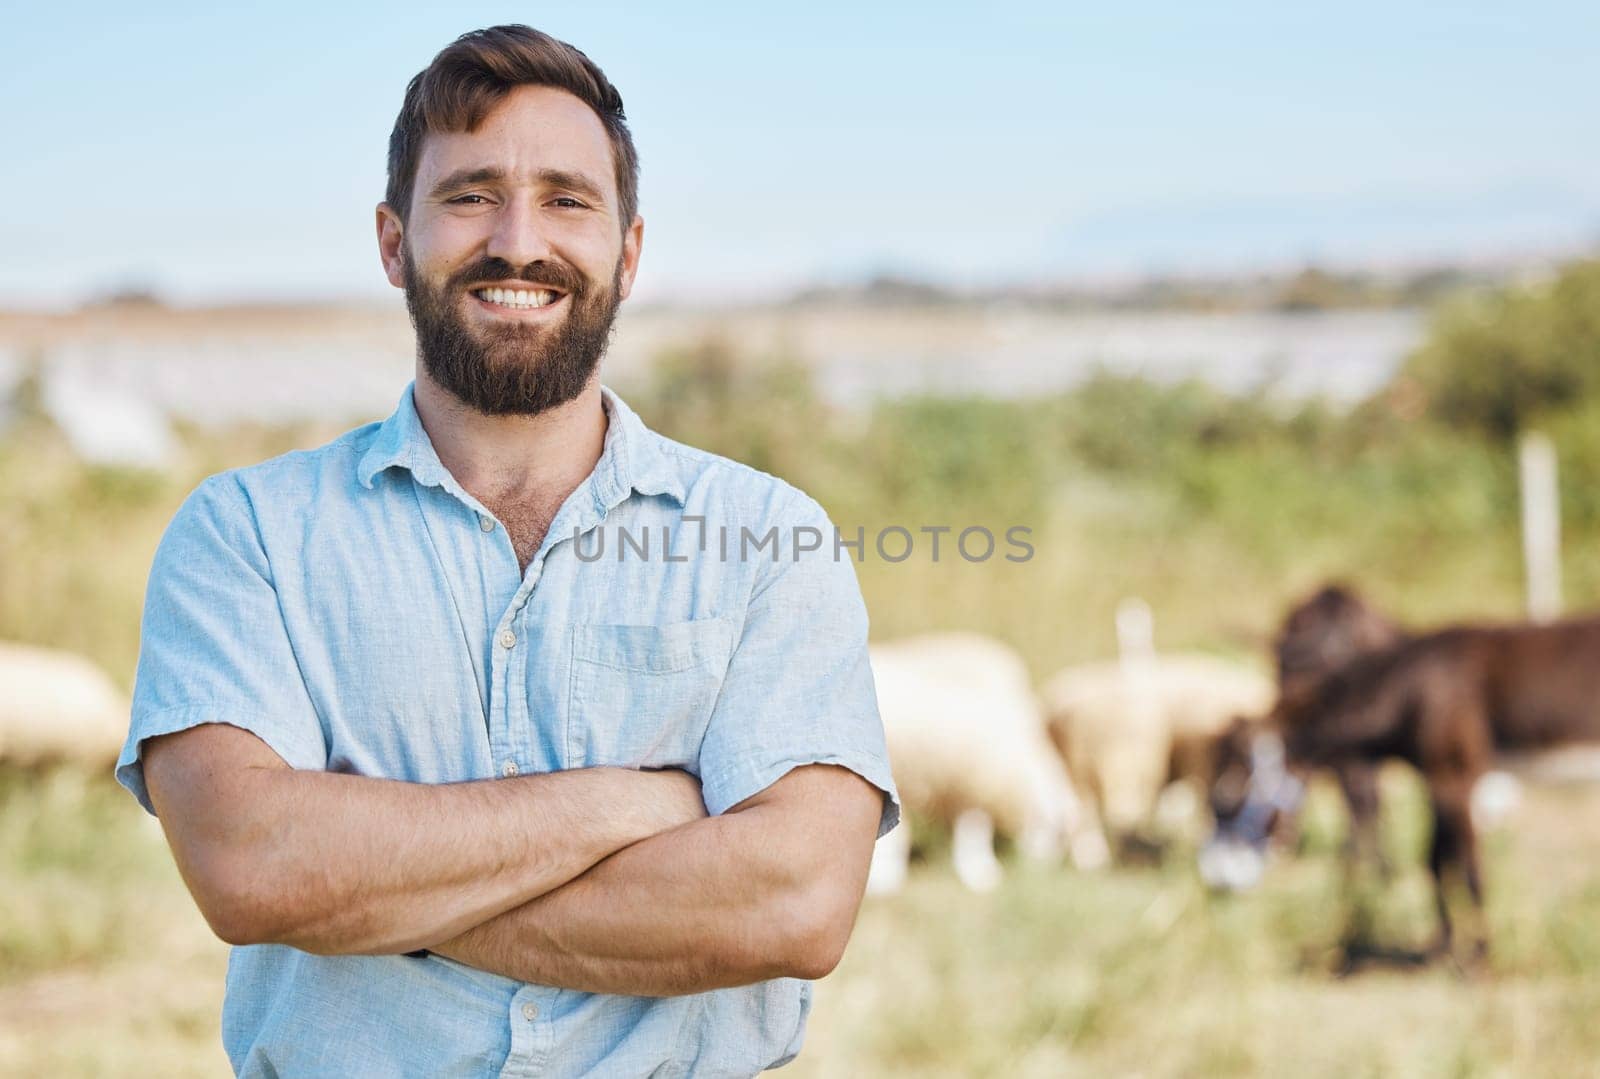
468,797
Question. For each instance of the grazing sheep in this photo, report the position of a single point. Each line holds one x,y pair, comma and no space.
1127,729
968,746
57,708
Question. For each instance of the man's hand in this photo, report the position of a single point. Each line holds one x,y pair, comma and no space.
769,889
342,864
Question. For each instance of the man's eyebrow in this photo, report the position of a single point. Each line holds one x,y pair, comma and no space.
572,181
466,178
484,174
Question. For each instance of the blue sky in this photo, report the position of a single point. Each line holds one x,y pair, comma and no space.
218,153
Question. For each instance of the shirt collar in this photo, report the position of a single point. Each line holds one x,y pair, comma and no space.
632,458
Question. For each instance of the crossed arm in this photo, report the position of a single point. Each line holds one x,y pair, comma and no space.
601,879
769,889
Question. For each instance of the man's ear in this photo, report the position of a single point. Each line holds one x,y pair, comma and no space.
391,238
632,241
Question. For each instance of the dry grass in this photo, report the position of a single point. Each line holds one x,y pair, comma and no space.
1142,973
106,967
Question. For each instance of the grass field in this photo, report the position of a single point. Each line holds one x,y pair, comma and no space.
107,970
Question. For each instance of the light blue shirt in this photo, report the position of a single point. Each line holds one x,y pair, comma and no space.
359,611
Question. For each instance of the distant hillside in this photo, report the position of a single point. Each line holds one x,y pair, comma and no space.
1309,289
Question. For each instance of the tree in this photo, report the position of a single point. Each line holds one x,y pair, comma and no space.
1498,363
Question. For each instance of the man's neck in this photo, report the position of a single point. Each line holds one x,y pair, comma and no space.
523,460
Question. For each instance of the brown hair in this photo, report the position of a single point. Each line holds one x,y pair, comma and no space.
473,73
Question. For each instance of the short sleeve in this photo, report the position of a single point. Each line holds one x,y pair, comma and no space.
799,685
212,642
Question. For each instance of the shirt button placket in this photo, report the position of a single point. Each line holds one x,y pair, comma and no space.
531,1038
508,640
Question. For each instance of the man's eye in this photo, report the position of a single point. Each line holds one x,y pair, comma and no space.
461,200
566,201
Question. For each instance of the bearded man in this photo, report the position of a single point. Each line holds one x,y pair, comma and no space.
465,800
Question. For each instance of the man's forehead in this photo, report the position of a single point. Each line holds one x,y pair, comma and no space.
533,129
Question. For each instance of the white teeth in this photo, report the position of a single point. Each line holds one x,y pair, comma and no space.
519,297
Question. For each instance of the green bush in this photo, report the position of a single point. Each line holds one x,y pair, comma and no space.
1498,363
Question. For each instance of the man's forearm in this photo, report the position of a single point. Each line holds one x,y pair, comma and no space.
376,866
729,900
337,863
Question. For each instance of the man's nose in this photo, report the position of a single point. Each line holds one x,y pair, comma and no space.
518,235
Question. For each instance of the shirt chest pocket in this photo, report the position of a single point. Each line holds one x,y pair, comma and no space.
641,696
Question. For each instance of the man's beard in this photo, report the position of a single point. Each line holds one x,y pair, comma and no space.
511,369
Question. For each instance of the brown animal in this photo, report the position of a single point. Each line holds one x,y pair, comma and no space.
1318,637
1447,702
1252,799
1327,631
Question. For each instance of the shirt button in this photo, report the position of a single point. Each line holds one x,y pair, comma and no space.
509,768
530,1012
507,639
486,523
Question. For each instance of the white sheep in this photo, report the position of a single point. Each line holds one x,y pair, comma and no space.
968,747
57,707
1126,728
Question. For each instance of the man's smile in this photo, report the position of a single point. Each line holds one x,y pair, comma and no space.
518,302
